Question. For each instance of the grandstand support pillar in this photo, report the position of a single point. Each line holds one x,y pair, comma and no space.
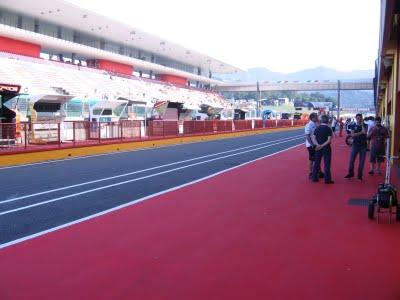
338,101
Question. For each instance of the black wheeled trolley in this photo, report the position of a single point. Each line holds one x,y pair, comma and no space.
385,200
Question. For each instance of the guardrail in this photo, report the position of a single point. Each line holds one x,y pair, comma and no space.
24,137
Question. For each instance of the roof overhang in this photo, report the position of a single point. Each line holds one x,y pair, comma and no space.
62,45
191,106
72,16
50,98
133,102
108,104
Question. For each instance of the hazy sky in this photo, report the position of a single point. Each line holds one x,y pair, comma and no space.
281,35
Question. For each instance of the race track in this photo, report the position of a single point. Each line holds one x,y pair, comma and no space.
40,197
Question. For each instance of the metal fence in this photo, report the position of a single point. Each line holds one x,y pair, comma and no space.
25,137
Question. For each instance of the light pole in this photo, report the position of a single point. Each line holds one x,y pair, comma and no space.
338,101
258,99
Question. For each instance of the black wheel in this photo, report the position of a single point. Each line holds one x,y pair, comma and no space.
371,211
398,213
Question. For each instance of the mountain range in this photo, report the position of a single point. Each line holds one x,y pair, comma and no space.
320,73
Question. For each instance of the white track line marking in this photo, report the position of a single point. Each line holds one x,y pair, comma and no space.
139,171
50,230
133,180
124,151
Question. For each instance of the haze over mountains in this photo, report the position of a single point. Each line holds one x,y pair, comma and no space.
319,73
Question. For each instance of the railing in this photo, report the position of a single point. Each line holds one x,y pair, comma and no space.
25,137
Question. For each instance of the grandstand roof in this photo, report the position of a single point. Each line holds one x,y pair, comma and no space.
70,15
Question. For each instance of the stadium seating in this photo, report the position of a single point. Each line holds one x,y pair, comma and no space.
39,76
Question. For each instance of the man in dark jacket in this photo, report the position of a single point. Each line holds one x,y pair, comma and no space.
358,131
378,136
322,138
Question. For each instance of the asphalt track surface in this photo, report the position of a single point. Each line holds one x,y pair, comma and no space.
38,197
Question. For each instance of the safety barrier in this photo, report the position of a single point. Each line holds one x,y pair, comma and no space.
39,136
243,124
258,124
285,123
159,128
223,126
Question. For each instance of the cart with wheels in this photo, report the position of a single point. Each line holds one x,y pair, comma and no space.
385,199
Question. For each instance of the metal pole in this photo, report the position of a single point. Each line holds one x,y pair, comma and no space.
145,120
99,130
338,103
73,132
26,135
121,129
258,98
59,134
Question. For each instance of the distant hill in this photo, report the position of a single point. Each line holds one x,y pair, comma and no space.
320,73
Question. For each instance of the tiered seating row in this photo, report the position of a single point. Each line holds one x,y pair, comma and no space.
38,76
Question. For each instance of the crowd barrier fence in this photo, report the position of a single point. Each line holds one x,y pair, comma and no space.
38,136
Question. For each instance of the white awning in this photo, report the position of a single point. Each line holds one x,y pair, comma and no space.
191,106
48,98
108,104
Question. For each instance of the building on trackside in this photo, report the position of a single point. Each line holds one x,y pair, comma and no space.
387,81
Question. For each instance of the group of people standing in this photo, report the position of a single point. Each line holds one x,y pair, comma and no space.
319,133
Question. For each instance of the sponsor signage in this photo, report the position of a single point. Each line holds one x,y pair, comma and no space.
9,88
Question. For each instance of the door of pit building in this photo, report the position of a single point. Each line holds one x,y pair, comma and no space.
7,116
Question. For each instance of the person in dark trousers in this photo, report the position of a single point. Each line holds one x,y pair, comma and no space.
309,131
358,131
322,138
341,126
378,135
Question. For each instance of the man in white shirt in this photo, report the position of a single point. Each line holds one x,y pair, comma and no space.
371,124
334,123
309,131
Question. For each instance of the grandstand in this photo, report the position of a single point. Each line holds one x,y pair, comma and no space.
38,76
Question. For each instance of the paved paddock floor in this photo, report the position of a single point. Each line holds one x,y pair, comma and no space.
258,231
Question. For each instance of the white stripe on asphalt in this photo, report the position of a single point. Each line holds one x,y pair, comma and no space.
114,153
50,230
135,179
140,171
